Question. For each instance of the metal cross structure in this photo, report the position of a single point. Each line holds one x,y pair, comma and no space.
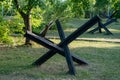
101,25
62,48
111,14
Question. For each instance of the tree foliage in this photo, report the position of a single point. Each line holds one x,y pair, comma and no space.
54,9
78,7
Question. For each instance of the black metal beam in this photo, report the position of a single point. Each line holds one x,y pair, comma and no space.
69,39
66,49
113,14
101,25
110,21
43,41
80,30
50,45
106,29
47,27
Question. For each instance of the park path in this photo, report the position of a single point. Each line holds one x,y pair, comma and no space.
91,39
100,40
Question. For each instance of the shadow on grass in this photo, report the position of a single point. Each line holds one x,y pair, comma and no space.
103,62
100,59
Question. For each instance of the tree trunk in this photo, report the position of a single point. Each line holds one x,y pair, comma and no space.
26,18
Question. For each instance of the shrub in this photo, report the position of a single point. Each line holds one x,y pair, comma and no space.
4,34
15,25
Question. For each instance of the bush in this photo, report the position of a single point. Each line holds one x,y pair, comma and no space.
4,37
4,34
15,25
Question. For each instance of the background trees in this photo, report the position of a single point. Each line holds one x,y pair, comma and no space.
24,7
76,8
36,13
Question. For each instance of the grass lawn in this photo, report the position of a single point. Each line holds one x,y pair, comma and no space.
103,59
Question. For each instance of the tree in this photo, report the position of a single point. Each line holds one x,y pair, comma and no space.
101,6
78,7
55,9
24,7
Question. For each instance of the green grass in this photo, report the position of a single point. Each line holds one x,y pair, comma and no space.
103,61
103,58
73,24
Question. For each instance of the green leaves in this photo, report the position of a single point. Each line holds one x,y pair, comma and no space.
27,5
117,7
4,33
